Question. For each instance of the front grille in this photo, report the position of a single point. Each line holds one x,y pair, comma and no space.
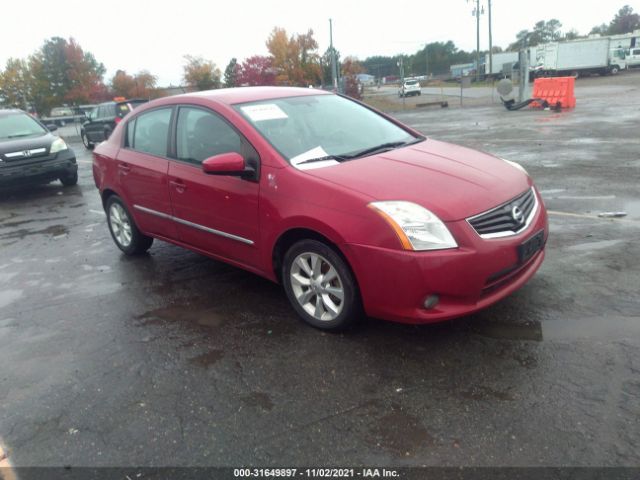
507,219
25,154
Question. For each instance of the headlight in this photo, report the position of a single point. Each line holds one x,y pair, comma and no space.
417,228
58,145
516,165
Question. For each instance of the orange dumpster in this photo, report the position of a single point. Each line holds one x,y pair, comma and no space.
555,90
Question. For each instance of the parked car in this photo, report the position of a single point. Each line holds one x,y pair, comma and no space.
102,119
30,153
410,86
633,57
349,209
61,116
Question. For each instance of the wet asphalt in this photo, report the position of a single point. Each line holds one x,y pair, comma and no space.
176,359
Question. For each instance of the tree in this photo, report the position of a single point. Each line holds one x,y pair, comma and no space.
231,74
601,29
625,21
84,75
295,59
572,34
256,70
325,64
13,84
351,67
140,85
200,74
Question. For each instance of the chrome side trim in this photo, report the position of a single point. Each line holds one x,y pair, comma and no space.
509,233
194,225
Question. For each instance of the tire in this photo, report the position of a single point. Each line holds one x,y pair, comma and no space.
615,70
69,180
318,303
123,229
85,141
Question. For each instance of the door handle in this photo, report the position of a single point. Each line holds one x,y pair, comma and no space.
178,185
124,168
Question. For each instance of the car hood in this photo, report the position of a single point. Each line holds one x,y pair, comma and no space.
453,182
26,143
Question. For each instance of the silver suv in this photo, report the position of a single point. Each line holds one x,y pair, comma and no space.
411,86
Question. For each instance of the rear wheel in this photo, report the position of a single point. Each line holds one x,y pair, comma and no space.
320,286
123,229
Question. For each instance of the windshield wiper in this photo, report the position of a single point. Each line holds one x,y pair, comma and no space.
18,135
337,158
382,148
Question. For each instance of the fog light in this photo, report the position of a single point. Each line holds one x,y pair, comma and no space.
431,301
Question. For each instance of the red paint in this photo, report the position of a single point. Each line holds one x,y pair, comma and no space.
453,182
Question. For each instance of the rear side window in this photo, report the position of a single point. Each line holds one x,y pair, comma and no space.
202,134
149,132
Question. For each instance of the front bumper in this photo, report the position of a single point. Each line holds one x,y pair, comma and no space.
38,170
395,283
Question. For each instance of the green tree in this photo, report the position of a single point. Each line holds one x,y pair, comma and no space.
14,88
200,74
231,74
625,21
601,29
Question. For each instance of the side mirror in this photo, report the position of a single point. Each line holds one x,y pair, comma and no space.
231,164
52,127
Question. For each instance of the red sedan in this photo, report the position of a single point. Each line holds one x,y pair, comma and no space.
352,211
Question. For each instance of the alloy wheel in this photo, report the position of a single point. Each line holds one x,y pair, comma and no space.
120,225
317,286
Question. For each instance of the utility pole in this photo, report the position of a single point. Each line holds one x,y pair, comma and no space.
490,41
476,13
334,67
426,61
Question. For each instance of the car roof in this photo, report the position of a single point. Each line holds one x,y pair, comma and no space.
11,111
231,96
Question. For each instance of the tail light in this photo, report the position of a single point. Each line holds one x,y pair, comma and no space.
117,120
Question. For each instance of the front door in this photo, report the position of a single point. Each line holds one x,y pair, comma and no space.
217,214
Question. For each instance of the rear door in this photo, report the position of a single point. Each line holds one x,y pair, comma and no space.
215,213
142,171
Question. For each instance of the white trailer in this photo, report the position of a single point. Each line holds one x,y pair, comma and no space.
578,57
498,61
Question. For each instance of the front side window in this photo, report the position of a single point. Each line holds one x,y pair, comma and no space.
202,134
19,125
151,132
314,126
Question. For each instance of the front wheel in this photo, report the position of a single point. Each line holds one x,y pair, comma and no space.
123,229
70,179
320,286
85,141
615,70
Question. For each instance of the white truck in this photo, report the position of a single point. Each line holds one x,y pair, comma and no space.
577,57
494,67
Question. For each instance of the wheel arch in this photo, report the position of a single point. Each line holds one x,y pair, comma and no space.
295,234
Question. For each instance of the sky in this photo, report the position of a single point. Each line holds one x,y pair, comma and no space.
134,35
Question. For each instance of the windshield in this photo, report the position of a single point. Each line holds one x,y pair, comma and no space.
19,125
411,83
317,126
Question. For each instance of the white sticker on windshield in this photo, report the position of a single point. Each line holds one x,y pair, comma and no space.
299,160
264,111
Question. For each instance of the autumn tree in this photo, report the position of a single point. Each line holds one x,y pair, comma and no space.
294,58
140,85
256,70
351,67
200,74
231,74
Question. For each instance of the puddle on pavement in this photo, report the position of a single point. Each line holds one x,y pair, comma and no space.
53,230
207,359
531,331
258,400
184,313
400,433
605,328
17,223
